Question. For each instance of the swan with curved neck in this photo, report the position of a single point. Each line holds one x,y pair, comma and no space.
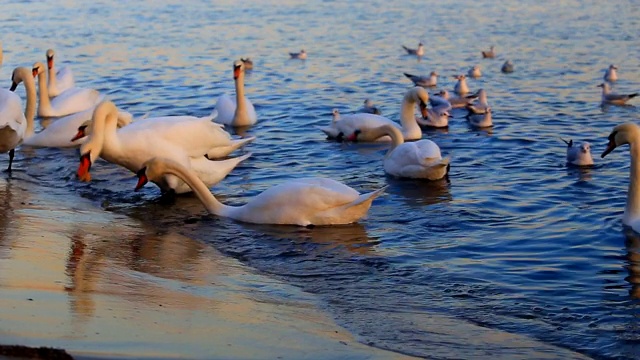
59,81
304,202
59,132
15,125
629,133
417,159
186,139
414,97
72,101
239,111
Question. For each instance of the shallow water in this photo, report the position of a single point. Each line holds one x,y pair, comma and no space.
513,241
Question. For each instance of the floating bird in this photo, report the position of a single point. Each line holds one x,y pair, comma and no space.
629,133
424,81
238,111
475,72
461,88
302,55
578,155
419,51
611,74
489,54
369,108
507,67
303,202
14,124
58,81
444,98
416,159
479,115
609,97
437,117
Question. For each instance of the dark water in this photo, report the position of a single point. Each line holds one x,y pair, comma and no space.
514,241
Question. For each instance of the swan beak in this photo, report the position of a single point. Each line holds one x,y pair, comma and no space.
14,85
80,134
610,146
49,62
353,137
142,178
83,169
236,72
423,110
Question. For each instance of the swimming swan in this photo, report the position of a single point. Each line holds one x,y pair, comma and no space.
238,111
304,202
59,81
14,124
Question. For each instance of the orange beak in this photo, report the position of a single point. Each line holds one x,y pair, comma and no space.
423,110
83,169
50,62
34,71
142,179
236,72
80,134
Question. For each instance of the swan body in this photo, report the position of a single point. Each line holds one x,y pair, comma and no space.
417,159
578,155
15,125
507,67
369,108
59,81
489,54
475,72
419,51
346,125
611,74
238,111
302,55
71,101
303,202
185,139
608,97
424,81
461,88
629,133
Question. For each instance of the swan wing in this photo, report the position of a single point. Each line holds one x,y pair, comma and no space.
13,124
226,107
72,101
65,79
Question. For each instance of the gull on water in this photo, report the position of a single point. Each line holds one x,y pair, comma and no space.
578,155
608,97
424,81
369,108
490,54
507,67
419,51
475,72
611,74
302,55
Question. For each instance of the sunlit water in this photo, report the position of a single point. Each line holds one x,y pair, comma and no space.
514,240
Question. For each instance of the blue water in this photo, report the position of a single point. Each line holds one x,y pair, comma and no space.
513,240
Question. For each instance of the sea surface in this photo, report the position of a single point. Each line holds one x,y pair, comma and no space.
513,240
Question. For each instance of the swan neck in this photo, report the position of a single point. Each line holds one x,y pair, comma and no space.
30,109
408,119
240,103
52,76
45,103
632,210
393,132
200,189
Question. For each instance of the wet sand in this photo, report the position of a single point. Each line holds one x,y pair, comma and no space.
101,285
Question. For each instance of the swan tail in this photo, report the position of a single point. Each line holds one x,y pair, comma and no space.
369,197
350,212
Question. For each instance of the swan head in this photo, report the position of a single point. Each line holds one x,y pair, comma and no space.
238,68
38,68
620,135
19,75
152,170
50,54
143,179
420,96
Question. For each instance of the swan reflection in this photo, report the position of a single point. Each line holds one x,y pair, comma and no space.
632,259
419,192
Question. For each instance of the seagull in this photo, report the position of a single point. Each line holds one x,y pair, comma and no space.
474,72
454,101
369,108
489,54
461,87
302,55
424,81
615,99
507,67
578,155
610,74
419,51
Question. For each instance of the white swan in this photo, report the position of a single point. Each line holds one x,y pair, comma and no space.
461,88
419,51
70,102
609,97
185,139
424,81
15,125
238,111
475,72
304,202
60,131
611,74
578,155
629,133
59,81
417,159
345,126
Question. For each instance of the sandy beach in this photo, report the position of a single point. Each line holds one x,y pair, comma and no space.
100,285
